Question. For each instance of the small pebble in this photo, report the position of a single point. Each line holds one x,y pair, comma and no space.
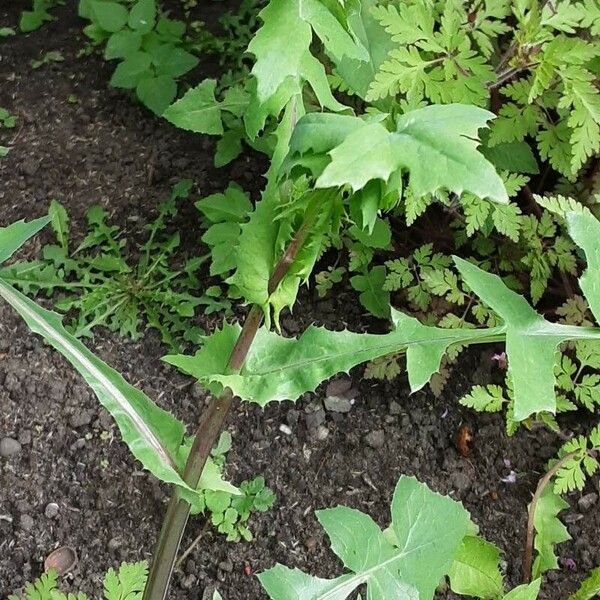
25,437
585,503
285,429
375,439
321,433
337,404
81,418
226,565
395,408
51,510
9,447
26,522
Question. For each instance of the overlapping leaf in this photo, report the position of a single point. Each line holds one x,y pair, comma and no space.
427,530
282,56
281,368
436,145
153,435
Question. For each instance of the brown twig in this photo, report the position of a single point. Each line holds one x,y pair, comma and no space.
211,424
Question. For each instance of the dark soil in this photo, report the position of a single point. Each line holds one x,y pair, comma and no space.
105,149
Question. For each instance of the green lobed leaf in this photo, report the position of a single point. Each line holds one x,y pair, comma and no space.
157,93
15,235
531,341
476,569
427,530
549,531
443,136
198,110
281,57
127,583
280,368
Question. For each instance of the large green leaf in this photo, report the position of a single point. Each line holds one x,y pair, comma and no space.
525,592
282,57
152,434
280,368
476,569
436,144
427,530
15,235
531,341
585,231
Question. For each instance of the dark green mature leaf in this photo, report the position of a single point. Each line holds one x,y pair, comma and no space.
426,528
110,16
142,16
15,235
132,70
157,93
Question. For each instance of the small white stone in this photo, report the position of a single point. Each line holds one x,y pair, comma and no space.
285,429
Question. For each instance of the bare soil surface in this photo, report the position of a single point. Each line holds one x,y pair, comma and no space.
105,149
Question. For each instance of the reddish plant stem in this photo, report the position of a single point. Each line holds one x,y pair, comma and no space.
544,481
211,424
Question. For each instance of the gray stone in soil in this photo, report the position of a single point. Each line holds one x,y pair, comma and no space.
585,503
81,418
395,408
375,439
314,419
9,447
321,433
337,404
26,522
226,565
51,510
25,437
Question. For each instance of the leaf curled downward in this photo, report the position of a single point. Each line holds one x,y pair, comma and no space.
590,588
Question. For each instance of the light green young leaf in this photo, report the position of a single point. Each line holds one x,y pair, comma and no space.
152,434
444,136
128,583
549,531
585,231
427,528
476,569
590,588
525,592
60,223
281,57
15,235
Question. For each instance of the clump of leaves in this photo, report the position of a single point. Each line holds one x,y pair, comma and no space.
47,58
229,513
38,15
6,119
406,560
150,48
127,583
101,287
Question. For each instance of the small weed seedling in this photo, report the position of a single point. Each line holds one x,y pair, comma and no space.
53,56
38,15
101,288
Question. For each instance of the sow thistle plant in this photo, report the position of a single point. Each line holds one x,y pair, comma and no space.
336,168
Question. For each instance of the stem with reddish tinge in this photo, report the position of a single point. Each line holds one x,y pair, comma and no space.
544,481
211,424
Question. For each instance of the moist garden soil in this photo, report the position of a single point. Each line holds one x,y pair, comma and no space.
104,149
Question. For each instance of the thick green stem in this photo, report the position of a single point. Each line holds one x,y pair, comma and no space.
211,424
